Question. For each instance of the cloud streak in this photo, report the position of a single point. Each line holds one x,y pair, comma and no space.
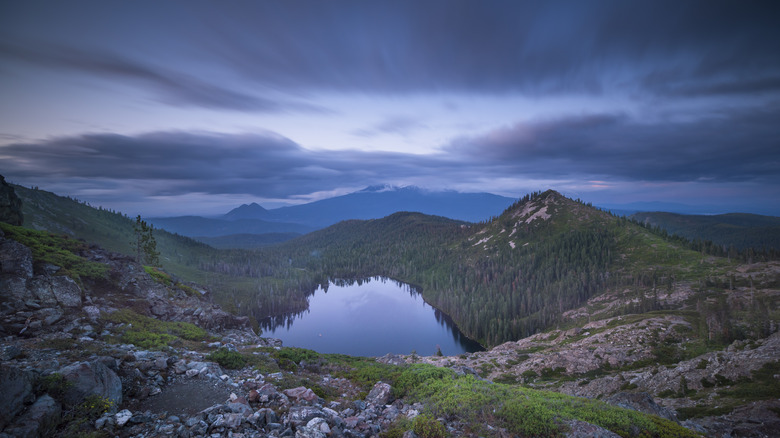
737,147
171,87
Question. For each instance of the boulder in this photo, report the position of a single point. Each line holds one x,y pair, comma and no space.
39,289
66,291
16,389
380,394
15,259
91,378
39,420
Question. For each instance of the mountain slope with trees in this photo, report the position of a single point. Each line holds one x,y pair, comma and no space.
499,280
738,230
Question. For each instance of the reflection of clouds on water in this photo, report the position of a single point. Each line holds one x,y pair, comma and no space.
371,317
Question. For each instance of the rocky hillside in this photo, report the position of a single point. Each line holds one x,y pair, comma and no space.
668,361
96,345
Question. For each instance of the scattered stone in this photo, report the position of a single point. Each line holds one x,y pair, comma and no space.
122,417
301,393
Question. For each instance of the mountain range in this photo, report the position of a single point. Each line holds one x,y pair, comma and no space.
370,203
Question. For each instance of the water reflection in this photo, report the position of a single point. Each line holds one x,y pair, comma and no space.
369,317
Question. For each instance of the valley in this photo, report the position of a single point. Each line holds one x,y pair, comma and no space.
566,298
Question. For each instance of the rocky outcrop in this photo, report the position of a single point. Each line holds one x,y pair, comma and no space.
93,378
39,419
16,389
10,204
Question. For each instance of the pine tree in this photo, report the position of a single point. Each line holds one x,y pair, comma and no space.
145,243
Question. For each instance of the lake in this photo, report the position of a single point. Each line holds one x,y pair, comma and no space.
370,317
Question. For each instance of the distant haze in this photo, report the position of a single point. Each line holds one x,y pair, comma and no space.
194,108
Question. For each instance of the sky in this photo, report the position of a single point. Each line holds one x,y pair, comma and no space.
194,107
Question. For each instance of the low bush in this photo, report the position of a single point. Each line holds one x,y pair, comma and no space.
229,359
426,426
151,333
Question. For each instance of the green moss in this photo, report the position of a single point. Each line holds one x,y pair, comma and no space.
151,333
58,250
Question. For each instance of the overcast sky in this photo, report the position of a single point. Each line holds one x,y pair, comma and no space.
189,107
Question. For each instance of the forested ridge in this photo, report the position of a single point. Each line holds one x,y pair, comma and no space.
499,280
739,230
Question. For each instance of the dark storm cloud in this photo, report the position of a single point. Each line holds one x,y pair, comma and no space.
178,163
172,87
732,146
303,47
530,47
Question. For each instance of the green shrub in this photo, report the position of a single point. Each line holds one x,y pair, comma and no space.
296,355
151,333
54,384
417,374
227,358
397,428
529,412
159,275
426,426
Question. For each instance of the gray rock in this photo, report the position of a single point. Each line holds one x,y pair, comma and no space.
39,287
300,415
42,417
107,421
233,421
380,394
15,259
642,402
10,352
581,429
309,432
16,387
66,291
90,378
92,312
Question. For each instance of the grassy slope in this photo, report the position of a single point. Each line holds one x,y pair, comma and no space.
113,231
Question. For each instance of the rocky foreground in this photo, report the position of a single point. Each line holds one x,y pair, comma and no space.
129,351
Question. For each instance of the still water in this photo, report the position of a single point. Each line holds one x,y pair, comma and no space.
371,317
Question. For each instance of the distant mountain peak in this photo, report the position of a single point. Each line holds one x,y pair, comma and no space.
247,211
380,188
